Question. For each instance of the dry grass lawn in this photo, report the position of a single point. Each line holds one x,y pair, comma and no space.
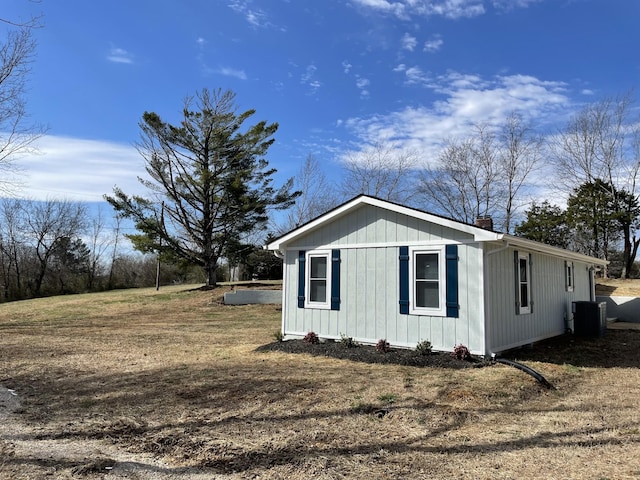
156,385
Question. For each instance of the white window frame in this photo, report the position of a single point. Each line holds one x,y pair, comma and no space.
524,310
569,275
326,305
442,291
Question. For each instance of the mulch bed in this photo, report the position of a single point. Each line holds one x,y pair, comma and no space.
617,348
369,354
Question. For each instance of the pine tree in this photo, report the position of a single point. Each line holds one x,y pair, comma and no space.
208,179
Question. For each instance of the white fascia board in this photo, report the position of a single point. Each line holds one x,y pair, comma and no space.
532,245
479,234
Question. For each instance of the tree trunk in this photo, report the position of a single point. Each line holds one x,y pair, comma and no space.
629,255
210,272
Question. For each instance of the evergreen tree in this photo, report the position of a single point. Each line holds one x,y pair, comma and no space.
545,223
592,213
208,178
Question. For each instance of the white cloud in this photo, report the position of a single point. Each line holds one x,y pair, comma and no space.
467,100
409,42
346,66
363,86
447,8
395,8
433,44
362,82
308,78
413,75
232,72
82,170
511,4
454,8
119,55
254,16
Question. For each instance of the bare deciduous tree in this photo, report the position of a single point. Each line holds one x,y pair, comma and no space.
380,171
17,134
520,154
600,146
463,184
98,244
484,175
11,249
592,145
48,224
316,198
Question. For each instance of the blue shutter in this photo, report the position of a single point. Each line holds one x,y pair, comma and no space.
516,263
451,256
335,279
404,280
301,278
530,283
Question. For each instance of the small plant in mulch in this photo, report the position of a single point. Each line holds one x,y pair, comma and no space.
461,352
383,346
424,348
348,342
278,336
311,338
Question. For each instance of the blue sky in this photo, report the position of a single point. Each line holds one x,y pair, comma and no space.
336,75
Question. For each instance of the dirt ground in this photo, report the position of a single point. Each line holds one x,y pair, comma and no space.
618,287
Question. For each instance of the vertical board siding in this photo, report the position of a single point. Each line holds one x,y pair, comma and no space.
369,303
374,225
551,301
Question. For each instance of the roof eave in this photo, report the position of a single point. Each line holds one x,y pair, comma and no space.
551,250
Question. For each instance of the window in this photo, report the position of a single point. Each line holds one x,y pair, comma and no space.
568,276
319,279
427,273
523,283
428,281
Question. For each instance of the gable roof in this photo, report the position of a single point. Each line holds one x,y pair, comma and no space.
479,234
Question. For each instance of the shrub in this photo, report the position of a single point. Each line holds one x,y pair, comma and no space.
461,352
278,336
423,348
383,346
348,342
312,338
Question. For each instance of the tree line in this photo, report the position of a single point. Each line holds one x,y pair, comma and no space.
58,247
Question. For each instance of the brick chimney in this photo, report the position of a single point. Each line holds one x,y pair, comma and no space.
485,222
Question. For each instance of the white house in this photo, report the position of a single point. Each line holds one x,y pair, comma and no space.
371,269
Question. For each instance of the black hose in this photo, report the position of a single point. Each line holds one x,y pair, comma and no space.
526,369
